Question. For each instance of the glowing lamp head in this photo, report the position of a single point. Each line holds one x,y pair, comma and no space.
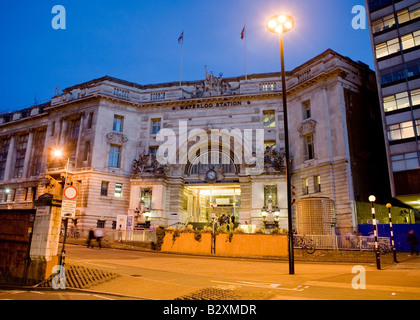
58,153
388,205
372,198
280,23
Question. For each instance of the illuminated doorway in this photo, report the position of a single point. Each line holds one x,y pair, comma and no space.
223,201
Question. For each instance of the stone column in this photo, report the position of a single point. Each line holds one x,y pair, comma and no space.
45,238
28,154
9,159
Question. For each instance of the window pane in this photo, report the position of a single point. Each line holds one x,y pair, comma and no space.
118,124
381,50
390,103
407,41
403,16
114,156
415,97
393,46
118,190
402,100
269,119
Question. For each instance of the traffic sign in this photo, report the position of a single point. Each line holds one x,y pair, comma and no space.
68,209
70,193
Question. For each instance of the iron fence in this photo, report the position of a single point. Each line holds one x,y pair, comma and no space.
355,243
113,235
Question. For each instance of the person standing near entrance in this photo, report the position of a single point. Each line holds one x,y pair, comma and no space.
99,235
413,241
91,236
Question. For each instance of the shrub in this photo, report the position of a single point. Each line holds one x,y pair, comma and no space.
160,235
197,235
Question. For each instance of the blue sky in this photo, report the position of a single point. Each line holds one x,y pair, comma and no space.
137,40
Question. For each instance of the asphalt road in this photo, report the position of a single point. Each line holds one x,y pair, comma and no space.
157,276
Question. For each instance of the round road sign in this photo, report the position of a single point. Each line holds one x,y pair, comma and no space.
70,193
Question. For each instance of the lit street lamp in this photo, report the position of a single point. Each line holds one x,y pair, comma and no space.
281,24
59,154
372,200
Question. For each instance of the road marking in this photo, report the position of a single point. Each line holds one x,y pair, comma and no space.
102,297
37,292
261,285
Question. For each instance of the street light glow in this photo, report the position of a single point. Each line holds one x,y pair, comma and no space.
58,153
372,198
280,23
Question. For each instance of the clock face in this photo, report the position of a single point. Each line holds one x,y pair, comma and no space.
211,175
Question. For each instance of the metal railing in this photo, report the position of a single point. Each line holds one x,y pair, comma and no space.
355,243
113,235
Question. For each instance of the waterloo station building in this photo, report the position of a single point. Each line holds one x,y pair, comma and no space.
109,131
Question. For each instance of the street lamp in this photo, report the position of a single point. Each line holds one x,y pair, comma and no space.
372,200
389,206
281,24
59,154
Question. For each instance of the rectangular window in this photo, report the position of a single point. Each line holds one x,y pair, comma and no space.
269,119
270,196
383,24
4,150
25,194
104,188
87,151
270,143
114,156
156,123
22,143
267,87
100,224
118,123
317,183
306,108
405,162
145,198
38,152
305,186
396,102
118,190
415,97
157,96
309,147
400,131
34,191
90,120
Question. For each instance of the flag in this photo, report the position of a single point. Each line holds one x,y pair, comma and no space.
181,38
243,33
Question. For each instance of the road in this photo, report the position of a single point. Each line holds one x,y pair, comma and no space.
157,276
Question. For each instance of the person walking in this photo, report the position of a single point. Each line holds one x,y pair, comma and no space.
91,236
99,234
413,241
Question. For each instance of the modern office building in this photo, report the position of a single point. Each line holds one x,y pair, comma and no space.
395,36
167,154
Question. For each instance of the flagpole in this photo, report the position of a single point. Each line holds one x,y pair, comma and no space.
182,54
246,71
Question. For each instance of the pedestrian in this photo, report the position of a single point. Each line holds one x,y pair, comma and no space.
413,241
119,233
99,235
91,236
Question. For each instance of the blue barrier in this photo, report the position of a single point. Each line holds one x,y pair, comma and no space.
400,233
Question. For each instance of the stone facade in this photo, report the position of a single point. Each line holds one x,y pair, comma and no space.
109,131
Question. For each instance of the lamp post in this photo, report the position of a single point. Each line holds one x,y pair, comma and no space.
394,252
59,154
281,24
372,200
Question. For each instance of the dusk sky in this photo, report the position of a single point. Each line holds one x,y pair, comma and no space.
137,41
